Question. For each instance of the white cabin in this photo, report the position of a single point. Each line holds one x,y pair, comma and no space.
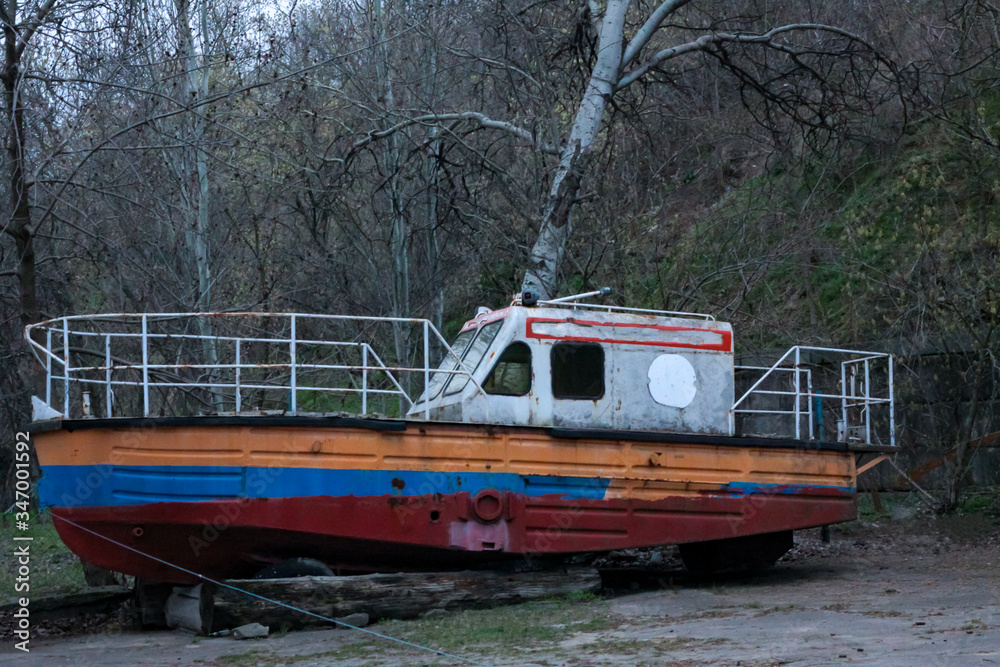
581,365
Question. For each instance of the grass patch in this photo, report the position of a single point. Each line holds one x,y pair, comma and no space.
877,508
506,627
678,643
362,650
485,631
882,614
984,501
779,609
711,613
355,651
657,644
580,596
248,658
622,646
54,568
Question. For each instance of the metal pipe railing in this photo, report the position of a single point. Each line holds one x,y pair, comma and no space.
855,393
118,331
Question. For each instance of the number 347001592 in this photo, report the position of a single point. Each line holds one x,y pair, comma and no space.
22,485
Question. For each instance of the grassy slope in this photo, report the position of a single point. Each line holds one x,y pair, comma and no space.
851,250
54,570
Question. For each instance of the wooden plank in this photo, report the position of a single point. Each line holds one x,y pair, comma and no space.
103,598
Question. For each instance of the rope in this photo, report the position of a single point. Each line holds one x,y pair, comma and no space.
261,597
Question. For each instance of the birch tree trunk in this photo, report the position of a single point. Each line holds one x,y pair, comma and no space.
556,225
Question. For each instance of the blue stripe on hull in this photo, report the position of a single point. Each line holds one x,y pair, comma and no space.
790,489
97,486
105,485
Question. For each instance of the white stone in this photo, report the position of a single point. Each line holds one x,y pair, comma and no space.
251,631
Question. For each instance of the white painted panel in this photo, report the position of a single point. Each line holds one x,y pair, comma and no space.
672,381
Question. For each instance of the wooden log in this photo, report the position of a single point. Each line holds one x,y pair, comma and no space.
401,595
98,599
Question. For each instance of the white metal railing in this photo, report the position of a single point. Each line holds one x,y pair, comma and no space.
267,352
865,386
573,302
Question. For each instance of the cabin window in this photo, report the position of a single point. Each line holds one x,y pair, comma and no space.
480,339
511,376
450,363
577,370
474,355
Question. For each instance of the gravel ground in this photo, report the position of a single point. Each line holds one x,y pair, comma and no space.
921,591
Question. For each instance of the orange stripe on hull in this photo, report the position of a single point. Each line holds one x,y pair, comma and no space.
640,470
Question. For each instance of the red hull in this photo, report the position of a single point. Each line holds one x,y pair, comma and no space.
236,538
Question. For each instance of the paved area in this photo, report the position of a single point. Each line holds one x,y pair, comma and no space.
900,594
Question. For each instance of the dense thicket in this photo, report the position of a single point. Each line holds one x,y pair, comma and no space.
395,158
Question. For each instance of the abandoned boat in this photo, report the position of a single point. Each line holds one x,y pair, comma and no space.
186,444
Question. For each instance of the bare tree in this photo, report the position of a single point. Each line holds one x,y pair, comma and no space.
20,27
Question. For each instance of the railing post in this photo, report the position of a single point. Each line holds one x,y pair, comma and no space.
427,370
798,393
145,367
107,376
364,378
239,401
843,396
48,367
892,407
65,368
809,402
293,403
868,403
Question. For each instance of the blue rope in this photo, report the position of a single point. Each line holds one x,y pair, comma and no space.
261,597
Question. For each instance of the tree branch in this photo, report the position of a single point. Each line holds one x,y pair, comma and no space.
703,42
699,44
29,30
649,28
473,116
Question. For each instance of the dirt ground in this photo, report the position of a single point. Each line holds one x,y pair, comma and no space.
921,591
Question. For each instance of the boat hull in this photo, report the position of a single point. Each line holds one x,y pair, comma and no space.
174,499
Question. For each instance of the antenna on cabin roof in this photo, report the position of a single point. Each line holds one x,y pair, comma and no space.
577,297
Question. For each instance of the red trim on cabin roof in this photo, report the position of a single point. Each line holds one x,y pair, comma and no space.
725,346
485,318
